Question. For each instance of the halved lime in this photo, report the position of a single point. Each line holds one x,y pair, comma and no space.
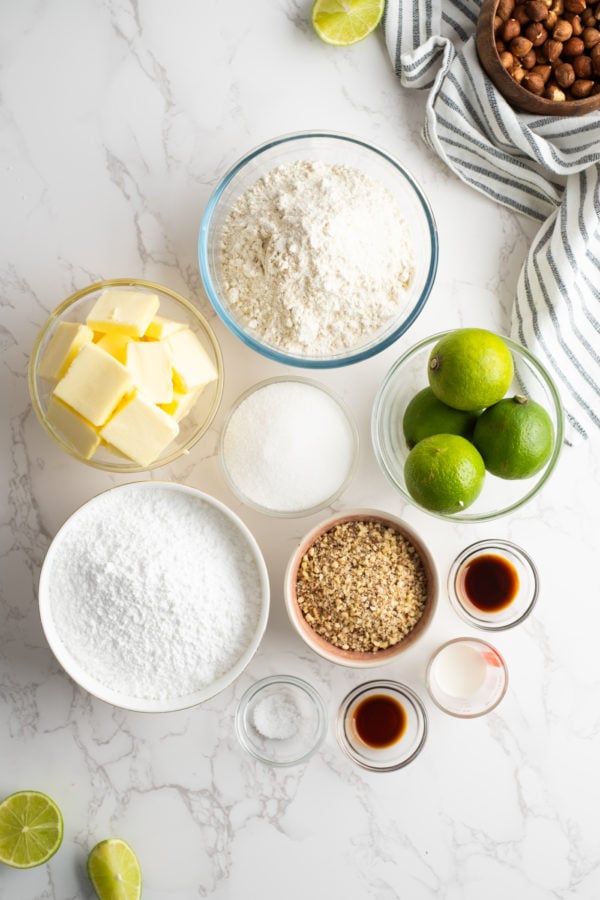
114,870
31,829
345,22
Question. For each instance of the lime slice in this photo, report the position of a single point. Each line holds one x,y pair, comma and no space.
114,871
345,22
31,829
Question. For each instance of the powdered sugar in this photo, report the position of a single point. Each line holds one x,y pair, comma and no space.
154,592
316,257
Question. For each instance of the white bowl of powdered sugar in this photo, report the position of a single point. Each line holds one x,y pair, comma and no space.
318,249
154,596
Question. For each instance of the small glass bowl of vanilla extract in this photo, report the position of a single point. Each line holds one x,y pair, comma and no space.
381,725
493,585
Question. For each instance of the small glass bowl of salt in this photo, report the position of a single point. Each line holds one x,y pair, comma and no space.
281,720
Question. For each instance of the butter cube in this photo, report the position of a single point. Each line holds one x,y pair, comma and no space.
140,430
94,384
79,434
62,348
192,366
150,365
181,404
115,344
161,328
122,311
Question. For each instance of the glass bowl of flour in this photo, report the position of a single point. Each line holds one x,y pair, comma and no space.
158,616
318,249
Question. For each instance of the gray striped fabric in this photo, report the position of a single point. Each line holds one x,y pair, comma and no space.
545,167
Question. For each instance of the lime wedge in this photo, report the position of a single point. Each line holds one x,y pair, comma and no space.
114,871
345,22
31,829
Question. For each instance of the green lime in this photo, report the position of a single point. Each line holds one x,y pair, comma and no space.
114,871
470,368
515,437
444,473
426,415
31,829
345,22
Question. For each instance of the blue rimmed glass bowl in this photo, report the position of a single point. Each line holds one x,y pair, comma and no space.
329,148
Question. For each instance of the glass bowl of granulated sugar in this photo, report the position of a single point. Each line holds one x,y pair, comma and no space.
158,616
318,249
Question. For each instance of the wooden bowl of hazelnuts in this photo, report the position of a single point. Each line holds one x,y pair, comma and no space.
543,55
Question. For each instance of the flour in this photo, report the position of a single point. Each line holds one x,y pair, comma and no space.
316,257
155,593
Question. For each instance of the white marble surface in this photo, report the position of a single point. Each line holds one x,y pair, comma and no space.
117,120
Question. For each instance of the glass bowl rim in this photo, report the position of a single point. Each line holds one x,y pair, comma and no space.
301,513
467,517
256,688
472,550
124,701
398,688
53,318
336,361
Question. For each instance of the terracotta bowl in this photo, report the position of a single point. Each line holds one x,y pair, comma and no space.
518,96
355,658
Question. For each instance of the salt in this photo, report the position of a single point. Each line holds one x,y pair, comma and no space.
288,446
153,591
276,717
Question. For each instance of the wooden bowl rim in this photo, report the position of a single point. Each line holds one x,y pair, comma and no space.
510,89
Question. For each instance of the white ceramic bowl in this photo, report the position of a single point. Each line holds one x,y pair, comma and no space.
333,149
71,661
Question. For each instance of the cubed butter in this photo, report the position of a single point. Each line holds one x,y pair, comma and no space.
115,344
140,430
122,311
149,363
181,404
79,434
192,366
161,328
62,348
94,384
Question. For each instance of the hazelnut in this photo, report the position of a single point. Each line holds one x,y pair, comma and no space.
564,74
500,47
504,9
596,66
590,37
534,83
552,50
529,60
575,6
552,19
573,47
588,17
536,33
543,71
519,46
553,92
581,88
510,30
536,10
575,23
521,16
562,31
498,23
583,67
507,59
517,72
595,52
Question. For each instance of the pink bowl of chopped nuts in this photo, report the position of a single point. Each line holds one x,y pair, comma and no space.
361,588
542,55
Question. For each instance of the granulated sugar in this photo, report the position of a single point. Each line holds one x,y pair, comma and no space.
288,446
155,593
316,257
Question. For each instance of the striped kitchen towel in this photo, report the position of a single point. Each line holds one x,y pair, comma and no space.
544,167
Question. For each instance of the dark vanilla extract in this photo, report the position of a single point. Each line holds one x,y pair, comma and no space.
490,582
380,720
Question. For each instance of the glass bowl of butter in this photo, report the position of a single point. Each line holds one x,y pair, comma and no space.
126,375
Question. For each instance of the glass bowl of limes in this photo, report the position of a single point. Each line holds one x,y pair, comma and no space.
467,425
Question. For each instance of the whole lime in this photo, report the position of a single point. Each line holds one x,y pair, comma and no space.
515,437
444,473
470,368
426,415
